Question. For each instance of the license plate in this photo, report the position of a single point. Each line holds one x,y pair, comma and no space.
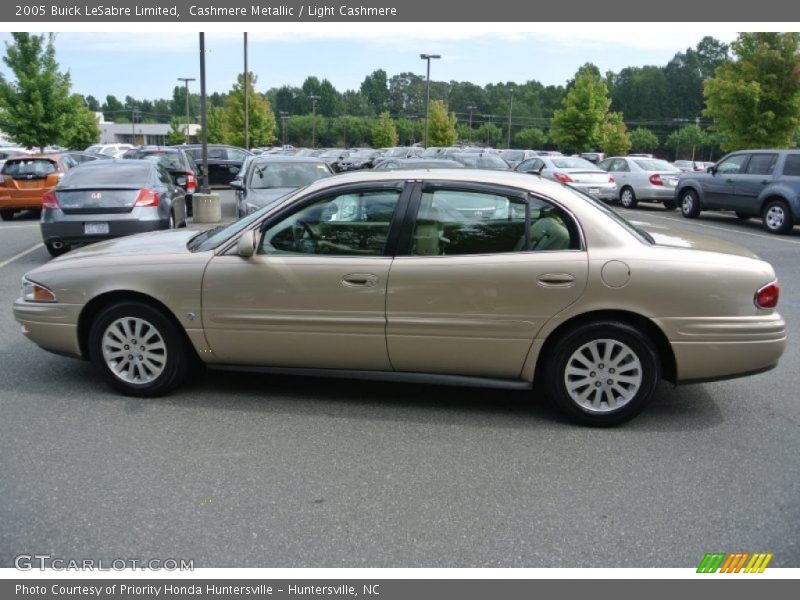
594,190
28,185
95,228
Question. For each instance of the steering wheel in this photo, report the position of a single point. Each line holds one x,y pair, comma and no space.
305,240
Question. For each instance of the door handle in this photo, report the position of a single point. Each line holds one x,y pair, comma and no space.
764,181
556,280
729,180
359,280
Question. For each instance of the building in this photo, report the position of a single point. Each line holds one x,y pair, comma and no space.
140,134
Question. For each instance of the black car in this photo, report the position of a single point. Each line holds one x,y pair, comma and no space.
752,183
224,162
185,172
333,156
270,177
360,158
110,198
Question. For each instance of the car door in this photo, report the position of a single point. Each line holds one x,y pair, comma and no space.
621,170
465,296
718,190
314,293
757,174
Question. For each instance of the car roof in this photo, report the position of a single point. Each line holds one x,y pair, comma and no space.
286,158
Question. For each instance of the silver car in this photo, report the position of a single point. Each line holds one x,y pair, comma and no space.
643,180
577,172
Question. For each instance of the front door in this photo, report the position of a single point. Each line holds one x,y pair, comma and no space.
718,190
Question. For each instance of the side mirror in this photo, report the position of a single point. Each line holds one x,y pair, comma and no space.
712,169
237,184
246,245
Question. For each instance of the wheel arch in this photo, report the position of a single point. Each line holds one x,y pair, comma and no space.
650,329
695,187
771,194
99,302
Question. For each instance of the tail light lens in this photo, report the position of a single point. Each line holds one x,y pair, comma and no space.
146,197
767,296
191,182
655,179
562,177
50,201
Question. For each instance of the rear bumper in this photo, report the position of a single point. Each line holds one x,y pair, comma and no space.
72,231
724,347
53,327
605,191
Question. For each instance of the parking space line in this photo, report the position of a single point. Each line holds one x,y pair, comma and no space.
20,255
777,238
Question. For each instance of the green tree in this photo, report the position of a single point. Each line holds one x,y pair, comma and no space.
114,110
490,134
384,133
530,137
177,132
643,140
688,141
215,122
261,120
36,107
614,138
376,90
576,126
442,126
755,98
81,130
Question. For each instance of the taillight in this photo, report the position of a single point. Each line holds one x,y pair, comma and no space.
655,179
50,201
767,296
562,177
146,197
191,182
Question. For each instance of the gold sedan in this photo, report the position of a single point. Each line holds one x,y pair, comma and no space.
458,277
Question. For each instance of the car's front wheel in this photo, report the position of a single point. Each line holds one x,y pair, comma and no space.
602,373
138,350
690,205
777,217
6,215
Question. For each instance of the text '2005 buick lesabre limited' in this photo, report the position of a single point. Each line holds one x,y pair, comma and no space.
446,276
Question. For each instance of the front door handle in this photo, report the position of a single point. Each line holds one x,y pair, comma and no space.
556,279
359,280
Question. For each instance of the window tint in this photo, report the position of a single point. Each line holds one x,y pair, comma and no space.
761,164
455,222
731,165
33,168
113,175
792,165
214,153
171,160
236,155
349,224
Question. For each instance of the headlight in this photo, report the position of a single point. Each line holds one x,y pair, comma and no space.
34,292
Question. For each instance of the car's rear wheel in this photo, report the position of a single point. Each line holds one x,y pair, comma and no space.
690,205
6,215
777,217
627,198
602,373
56,248
138,350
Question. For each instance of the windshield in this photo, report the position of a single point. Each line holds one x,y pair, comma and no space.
513,155
656,165
285,175
574,163
333,153
364,154
397,152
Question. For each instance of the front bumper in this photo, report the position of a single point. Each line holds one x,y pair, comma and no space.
52,326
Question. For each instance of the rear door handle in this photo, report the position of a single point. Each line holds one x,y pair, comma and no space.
359,280
556,280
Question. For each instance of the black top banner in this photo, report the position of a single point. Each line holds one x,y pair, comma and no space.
249,11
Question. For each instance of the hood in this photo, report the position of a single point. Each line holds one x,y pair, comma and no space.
665,236
145,244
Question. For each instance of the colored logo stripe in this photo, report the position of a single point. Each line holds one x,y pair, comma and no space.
734,562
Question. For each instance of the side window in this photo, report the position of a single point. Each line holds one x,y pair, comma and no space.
761,164
792,165
68,162
215,154
456,222
355,223
163,175
731,165
621,165
236,155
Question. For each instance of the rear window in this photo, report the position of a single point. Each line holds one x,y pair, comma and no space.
574,163
29,168
792,165
656,165
111,175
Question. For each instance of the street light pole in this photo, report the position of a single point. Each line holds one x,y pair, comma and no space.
205,189
246,92
428,57
284,116
510,109
186,81
470,109
314,99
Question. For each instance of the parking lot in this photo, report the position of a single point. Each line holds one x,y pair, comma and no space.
245,470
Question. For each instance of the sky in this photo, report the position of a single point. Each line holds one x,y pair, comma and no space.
146,64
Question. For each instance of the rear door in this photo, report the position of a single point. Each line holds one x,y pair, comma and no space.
757,174
483,269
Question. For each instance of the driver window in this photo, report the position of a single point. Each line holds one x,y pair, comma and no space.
351,224
732,165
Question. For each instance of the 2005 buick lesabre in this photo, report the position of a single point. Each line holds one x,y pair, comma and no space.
456,277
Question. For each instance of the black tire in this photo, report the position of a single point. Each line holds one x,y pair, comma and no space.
777,217
627,197
56,251
690,204
166,368
6,215
670,204
628,345
742,216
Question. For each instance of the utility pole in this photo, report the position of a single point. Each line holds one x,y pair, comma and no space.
203,114
246,92
510,109
470,109
314,99
186,81
428,57
284,115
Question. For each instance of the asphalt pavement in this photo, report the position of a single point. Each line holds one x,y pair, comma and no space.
241,470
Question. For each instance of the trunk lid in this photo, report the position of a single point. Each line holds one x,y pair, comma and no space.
97,200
